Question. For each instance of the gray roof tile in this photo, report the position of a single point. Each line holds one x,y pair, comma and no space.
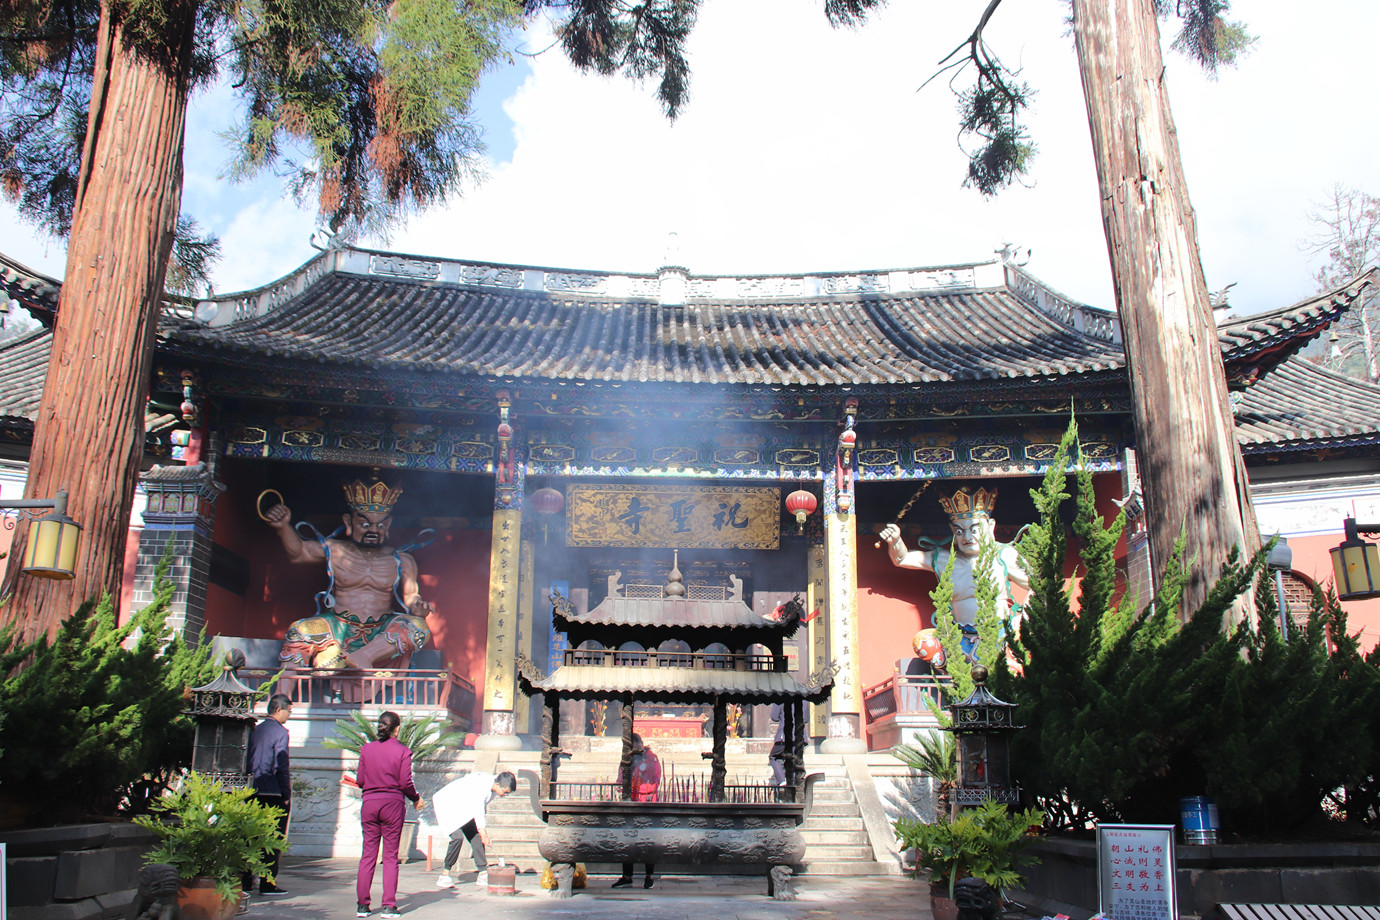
839,340
1301,404
23,365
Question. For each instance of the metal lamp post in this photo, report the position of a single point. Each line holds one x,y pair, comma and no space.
982,727
224,714
51,549
1281,560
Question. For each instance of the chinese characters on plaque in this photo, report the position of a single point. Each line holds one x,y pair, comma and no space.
1135,871
714,517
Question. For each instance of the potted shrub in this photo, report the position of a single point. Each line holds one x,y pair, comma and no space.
984,842
426,736
213,836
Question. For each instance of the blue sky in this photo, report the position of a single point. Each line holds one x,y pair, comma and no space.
809,149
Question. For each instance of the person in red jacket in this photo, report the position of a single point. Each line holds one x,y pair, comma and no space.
385,778
646,780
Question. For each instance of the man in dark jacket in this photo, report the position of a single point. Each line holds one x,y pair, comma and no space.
268,771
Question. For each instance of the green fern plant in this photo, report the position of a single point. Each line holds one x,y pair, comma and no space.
986,842
935,755
208,831
425,736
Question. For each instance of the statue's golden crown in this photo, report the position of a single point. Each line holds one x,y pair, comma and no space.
965,503
376,497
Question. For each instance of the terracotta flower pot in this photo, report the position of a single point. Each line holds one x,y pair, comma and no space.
198,900
942,906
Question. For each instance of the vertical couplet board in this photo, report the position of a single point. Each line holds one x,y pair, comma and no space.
1135,871
500,671
841,551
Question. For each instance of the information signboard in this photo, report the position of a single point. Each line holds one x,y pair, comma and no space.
1135,872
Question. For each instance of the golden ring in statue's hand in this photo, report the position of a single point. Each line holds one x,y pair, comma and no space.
259,502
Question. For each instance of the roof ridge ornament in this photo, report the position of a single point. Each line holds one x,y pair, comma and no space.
673,279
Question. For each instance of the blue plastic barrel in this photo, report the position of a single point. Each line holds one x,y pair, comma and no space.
1200,821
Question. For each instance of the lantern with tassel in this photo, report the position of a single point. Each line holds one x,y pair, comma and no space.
802,504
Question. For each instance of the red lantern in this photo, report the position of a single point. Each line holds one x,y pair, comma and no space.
802,504
547,501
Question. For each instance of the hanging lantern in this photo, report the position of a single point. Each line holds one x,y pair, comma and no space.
1356,564
548,503
802,504
51,550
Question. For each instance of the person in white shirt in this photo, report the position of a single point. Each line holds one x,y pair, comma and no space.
460,807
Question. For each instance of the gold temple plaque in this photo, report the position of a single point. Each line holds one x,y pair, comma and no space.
712,517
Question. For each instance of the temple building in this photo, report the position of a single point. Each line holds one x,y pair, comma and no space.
567,431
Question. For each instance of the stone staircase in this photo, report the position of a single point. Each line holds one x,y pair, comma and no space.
848,831
836,837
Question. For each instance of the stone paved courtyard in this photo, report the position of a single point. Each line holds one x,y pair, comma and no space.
321,888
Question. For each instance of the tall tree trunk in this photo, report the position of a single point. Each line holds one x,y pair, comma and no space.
1194,479
89,435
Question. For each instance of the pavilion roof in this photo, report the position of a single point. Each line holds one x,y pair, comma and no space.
683,682
1301,405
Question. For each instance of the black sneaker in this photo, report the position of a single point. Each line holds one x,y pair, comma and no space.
270,891
623,882
648,882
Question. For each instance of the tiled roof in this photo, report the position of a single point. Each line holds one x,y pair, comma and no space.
23,365
844,340
1269,338
1301,404
678,612
36,292
614,681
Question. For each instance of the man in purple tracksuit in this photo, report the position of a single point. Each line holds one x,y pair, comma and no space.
268,771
